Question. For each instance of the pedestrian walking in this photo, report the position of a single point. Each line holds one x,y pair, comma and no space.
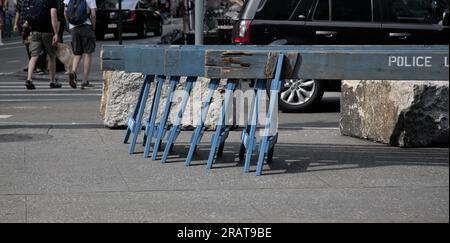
22,26
9,11
43,20
81,15
2,21
62,27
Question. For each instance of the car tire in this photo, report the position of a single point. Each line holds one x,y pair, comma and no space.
159,29
311,92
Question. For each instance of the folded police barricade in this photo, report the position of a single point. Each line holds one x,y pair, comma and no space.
259,63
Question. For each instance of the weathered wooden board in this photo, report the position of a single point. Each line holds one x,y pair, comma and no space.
112,58
252,62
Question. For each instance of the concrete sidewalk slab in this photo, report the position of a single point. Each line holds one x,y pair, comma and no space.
75,174
12,209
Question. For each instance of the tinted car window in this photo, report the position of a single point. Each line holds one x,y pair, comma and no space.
276,10
415,11
322,11
351,10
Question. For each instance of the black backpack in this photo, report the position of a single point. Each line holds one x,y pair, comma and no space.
37,12
77,12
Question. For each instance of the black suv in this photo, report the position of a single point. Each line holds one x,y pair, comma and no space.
338,22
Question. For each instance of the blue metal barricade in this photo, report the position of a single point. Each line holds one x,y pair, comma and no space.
161,63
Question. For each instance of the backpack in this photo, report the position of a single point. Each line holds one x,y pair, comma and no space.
77,12
37,12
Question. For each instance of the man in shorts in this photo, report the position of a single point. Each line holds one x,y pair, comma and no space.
43,38
83,45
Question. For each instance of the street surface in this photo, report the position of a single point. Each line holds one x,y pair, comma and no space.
59,164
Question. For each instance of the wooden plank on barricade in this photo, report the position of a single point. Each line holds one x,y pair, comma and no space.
112,58
411,62
185,61
335,63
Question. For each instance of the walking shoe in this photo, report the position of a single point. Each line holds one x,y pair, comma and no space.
41,72
29,85
86,84
73,80
55,84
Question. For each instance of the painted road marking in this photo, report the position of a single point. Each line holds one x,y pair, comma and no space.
35,100
44,88
5,116
33,94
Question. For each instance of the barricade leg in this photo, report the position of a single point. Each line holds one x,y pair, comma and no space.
135,122
270,133
132,119
163,122
151,121
200,129
249,134
176,127
222,129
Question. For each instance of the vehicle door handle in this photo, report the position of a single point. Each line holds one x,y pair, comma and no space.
327,34
401,36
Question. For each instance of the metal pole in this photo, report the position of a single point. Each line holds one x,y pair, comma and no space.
1,26
199,18
120,22
1,42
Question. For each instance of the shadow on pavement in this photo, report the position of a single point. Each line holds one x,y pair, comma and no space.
303,158
327,105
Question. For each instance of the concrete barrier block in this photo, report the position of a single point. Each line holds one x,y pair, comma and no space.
121,91
398,113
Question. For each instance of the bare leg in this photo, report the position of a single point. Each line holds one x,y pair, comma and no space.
31,66
51,67
73,71
76,62
87,66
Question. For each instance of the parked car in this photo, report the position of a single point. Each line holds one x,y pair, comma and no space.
137,17
338,22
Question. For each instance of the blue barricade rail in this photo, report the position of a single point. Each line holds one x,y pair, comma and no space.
260,63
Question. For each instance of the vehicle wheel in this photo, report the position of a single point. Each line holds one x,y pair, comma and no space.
99,36
298,95
159,30
142,32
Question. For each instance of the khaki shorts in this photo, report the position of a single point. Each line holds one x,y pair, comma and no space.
40,42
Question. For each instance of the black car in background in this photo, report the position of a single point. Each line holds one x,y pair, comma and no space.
338,22
137,17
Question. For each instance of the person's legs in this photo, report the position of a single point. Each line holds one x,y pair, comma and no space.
35,49
78,52
87,66
47,39
88,47
31,66
51,67
73,72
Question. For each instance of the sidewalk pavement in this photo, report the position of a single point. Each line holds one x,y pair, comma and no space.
84,174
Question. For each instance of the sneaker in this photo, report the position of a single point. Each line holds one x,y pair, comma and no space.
29,84
86,84
73,80
55,85
41,72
